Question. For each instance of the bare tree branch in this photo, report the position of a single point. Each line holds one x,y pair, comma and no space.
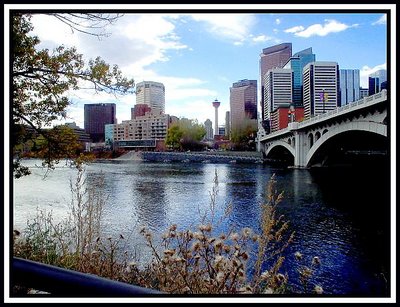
88,23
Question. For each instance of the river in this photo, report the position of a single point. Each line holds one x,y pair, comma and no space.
341,215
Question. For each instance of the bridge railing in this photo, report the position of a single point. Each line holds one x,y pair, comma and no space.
337,110
368,99
67,283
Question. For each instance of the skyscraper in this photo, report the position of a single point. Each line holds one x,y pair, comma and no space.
349,85
209,129
377,81
320,88
243,103
96,117
272,57
227,124
278,90
297,63
151,93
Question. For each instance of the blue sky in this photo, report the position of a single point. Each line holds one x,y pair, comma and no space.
199,56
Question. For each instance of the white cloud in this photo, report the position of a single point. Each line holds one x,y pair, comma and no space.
278,21
230,26
144,39
52,32
294,29
366,71
261,38
380,21
330,26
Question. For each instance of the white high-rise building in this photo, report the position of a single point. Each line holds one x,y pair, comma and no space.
209,130
152,94
278,90
320,88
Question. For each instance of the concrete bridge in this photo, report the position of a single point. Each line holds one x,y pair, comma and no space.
354,128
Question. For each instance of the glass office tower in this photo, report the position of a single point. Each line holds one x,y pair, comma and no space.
297,63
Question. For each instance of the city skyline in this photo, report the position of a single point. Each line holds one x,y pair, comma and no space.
198,56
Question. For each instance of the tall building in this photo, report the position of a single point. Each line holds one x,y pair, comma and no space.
243,103
209,129
98,115
297,63
377,81
349,85
272,57
227,123
277,90
320,88
151,93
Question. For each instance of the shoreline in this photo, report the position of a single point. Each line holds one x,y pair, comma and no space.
203,157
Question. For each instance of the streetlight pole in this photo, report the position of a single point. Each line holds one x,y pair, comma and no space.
323,99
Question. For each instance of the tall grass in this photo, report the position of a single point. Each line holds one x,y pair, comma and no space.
76,242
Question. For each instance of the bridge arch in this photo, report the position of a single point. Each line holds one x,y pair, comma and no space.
372,127
278,144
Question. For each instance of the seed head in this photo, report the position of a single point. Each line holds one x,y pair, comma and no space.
318,289
316,260
246,232
298,255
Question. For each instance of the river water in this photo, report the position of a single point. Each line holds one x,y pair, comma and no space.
341,215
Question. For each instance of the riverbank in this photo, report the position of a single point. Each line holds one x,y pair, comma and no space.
201,157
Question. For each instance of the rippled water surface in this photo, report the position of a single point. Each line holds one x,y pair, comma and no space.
339,215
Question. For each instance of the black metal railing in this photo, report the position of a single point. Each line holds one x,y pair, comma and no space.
67,283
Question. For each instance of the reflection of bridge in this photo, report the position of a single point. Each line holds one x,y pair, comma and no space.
306,143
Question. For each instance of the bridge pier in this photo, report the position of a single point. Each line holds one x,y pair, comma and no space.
299,149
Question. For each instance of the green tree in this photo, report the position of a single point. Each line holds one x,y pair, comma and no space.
41,80
243,136
186,134
174,135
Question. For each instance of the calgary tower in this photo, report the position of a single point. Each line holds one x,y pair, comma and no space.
216,104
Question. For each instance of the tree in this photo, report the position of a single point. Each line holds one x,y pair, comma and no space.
243,135
174,135
186,134
41,80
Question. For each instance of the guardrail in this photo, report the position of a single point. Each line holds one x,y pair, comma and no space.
67,283
366,100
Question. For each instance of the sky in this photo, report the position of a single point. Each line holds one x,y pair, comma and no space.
198,56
